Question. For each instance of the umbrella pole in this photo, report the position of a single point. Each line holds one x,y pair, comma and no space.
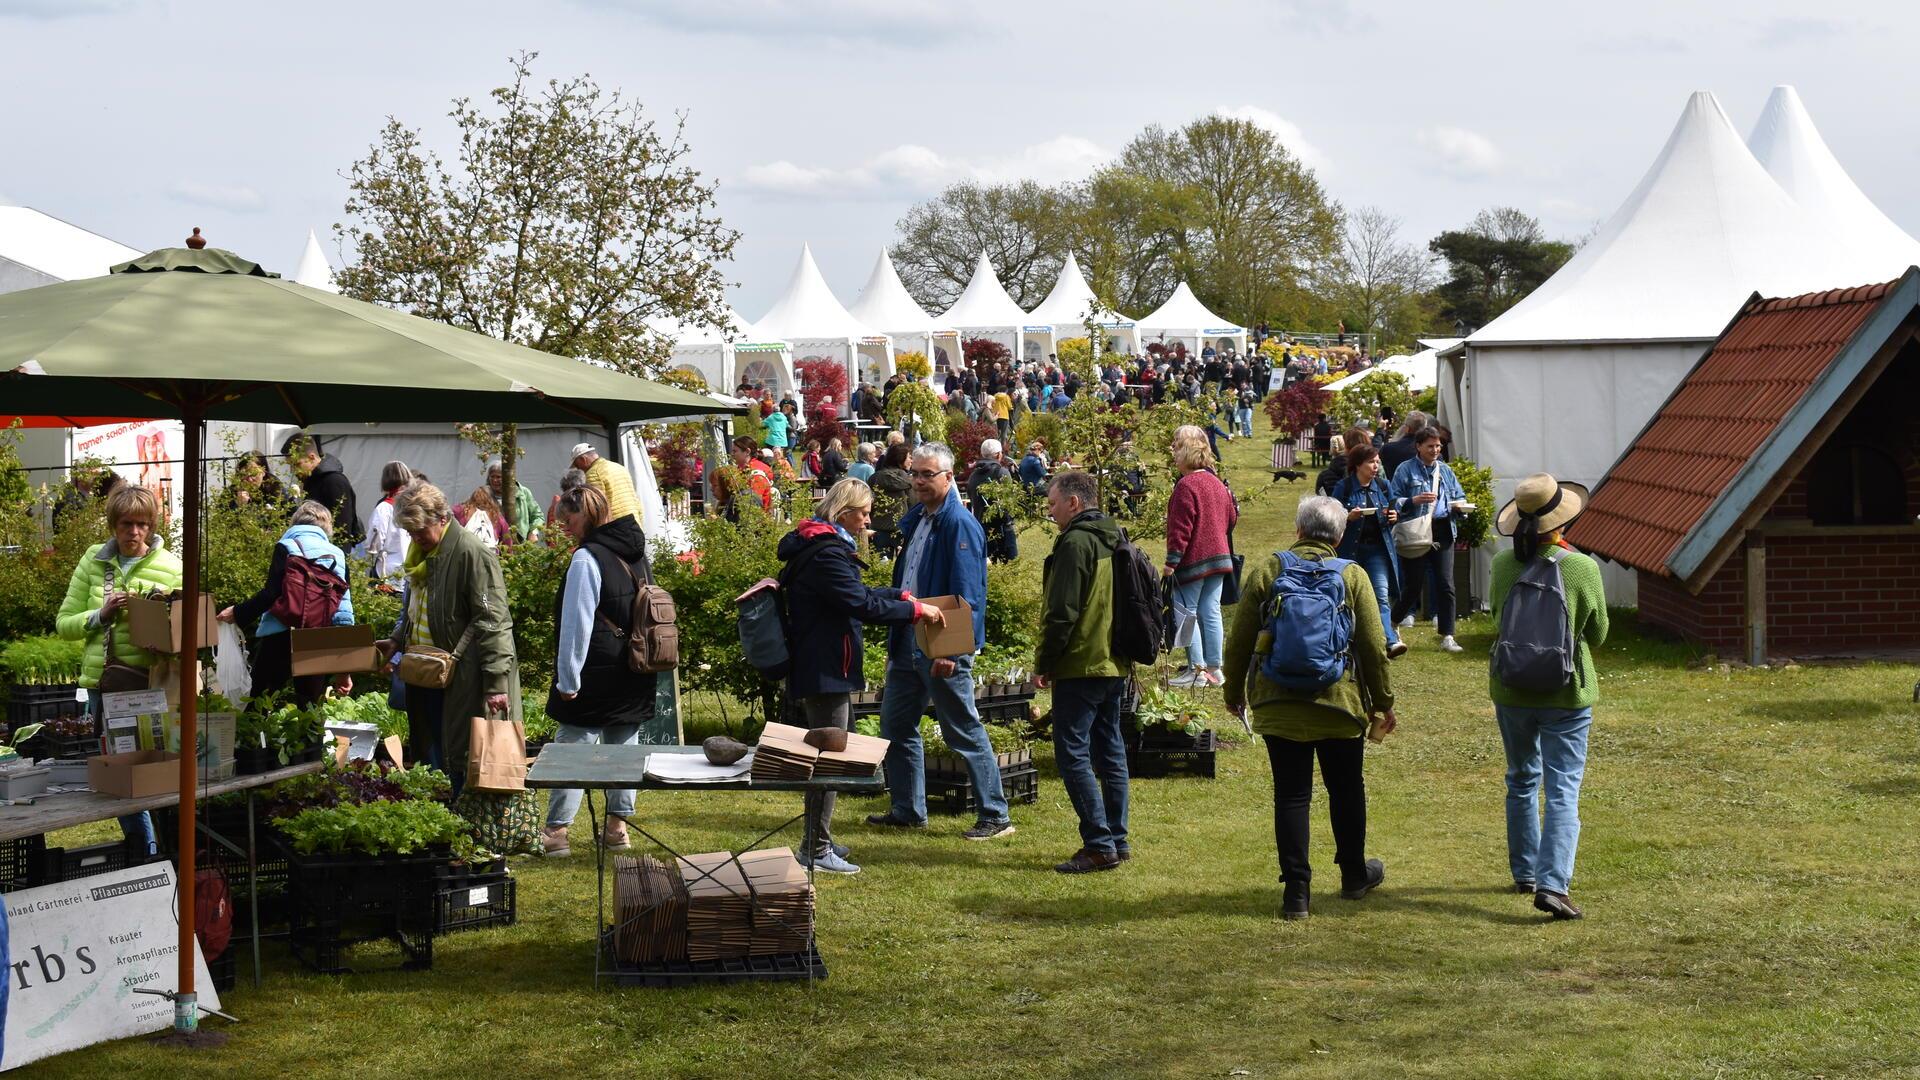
186,1005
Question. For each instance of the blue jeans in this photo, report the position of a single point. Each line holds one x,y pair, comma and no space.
910,684
1202,597
1245,416
1549,743
565,802
1373,558
1091,755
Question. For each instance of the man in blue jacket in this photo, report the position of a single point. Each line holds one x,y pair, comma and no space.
943,552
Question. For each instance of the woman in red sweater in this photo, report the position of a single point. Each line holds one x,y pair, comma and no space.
1198,554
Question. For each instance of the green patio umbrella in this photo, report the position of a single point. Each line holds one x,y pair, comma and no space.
198,335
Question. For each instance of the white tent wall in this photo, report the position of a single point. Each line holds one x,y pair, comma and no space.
1565,409
769,369
713,363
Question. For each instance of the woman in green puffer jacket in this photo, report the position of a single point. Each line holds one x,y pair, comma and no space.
135,563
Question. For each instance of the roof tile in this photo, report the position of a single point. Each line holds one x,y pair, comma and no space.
1722,413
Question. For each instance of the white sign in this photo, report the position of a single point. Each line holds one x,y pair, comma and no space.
133,703
80,948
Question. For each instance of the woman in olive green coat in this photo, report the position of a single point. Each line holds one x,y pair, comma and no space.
456,601
1329,724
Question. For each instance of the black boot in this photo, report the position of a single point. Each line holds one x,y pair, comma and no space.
1295,900
1356,885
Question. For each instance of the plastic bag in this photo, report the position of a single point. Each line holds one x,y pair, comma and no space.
230,665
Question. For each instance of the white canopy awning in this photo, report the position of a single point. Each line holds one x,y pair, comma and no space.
1704,230
40,249
886,305
985,305
1183,316
1066,307
1791,150
808,310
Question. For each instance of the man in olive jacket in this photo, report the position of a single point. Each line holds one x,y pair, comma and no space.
1076,660
1329,724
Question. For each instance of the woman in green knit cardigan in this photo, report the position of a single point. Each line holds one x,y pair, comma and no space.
1545,732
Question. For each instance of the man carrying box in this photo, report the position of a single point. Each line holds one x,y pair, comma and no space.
944,551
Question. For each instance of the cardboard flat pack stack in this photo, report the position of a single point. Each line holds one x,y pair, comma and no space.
333,650
955,638
783,754
719,906
650,909
860,759
782,902
155,624
144,720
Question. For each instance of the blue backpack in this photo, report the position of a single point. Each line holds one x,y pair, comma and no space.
1310,624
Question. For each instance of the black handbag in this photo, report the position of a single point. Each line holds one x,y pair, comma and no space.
1230,588
117,677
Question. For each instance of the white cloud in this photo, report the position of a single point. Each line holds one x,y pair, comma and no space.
1460,152
60,9
240,199
896,22
1283,129
910,170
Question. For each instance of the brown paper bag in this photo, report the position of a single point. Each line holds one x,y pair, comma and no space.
496,755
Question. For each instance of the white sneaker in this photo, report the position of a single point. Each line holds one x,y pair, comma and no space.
1406,623
1189,678
1447,644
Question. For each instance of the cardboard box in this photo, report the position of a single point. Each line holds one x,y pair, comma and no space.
334,650
953,639
215,734
155,624
136,775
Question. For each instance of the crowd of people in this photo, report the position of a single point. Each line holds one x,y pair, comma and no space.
1306,661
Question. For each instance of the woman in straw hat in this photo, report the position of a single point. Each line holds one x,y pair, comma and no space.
1544,723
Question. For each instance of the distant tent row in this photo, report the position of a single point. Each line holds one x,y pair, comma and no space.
885,321
1564,380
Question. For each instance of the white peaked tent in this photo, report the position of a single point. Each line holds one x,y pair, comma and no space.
1066,309
810,319
1183,319
728,354
1786,143
984,310
38,249
313,270
1563,381
885,305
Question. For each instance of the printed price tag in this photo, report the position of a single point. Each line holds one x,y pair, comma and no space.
476,897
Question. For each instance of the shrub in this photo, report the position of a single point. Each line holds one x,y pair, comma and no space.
1296,409
823,381
726,559
914,408
675,451
1364,399
1428,400
1074,353
984,351
912,364
1038,426
535,574
1476,528
965,439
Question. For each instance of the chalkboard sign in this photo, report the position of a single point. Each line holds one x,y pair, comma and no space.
664,728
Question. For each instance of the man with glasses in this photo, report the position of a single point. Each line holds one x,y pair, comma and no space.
945,553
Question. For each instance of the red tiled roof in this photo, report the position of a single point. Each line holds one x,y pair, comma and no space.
1724,410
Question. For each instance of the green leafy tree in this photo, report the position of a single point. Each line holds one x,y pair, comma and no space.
1364,399
1493,263
566,221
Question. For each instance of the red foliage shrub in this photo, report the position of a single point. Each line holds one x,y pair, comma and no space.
823,423
984,352
676,457
1295,409
965,439
822,380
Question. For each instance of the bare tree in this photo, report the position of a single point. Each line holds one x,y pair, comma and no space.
1375,272
1024,228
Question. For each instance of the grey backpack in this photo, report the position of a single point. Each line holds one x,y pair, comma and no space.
1535,648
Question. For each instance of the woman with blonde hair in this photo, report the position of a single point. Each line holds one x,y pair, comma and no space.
1200,516
596,697
456,601
827,605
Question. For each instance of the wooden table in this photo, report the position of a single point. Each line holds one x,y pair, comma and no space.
594,767
47,813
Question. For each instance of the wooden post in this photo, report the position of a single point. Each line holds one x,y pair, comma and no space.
186,1007
1756,599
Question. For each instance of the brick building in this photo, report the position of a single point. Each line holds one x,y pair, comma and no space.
1769,506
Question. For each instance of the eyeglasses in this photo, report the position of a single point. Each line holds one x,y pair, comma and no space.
927,474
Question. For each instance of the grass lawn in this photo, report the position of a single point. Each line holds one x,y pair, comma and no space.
1748,846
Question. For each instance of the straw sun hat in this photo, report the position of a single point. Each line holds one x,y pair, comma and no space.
1553,503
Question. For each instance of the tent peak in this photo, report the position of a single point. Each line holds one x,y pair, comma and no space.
190,260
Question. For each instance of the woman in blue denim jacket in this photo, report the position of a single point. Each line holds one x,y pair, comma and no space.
1371,513
1415,487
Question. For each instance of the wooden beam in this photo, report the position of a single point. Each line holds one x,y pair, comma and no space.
1756,599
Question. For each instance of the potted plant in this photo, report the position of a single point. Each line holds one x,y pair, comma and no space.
253,750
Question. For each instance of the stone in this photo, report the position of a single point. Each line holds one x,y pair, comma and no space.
721,750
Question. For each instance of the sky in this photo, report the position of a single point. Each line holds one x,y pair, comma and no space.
823,121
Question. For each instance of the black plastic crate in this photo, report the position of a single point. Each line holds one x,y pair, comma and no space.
1006,710
1161,756
62,747
69,864
335,902
790,967
951,794
478,903
22,861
